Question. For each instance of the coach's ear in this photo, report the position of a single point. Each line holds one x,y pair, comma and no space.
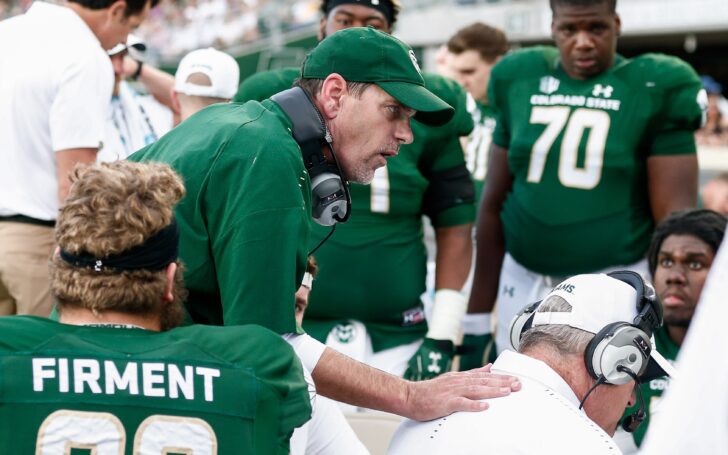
170,273
332,91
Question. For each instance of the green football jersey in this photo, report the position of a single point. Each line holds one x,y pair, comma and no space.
244,222
68,389
577,150
478,142
373,268
652,391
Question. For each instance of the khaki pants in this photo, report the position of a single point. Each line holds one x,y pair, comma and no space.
24,278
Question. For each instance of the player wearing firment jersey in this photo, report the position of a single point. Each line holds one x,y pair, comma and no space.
109,378
198,389
373,268
590,149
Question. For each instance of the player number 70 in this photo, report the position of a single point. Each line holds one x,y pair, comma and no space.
558,119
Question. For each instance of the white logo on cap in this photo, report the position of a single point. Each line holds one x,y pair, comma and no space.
414,61
375,2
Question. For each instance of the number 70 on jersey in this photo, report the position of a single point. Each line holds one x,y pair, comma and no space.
574,125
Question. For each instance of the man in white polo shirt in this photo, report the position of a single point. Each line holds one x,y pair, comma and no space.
55,87
204,77
580,351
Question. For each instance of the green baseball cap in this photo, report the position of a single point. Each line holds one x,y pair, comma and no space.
362,54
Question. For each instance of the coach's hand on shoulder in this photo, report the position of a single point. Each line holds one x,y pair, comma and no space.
433,358
457,391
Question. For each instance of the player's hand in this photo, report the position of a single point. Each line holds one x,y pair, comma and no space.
457,391
433,358
473,351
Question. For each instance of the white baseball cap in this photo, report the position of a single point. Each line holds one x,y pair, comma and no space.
221,68
598,300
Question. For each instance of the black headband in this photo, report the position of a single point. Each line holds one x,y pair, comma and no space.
383,6
155,254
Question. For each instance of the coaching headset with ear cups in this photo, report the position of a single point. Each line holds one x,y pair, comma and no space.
617,346
623,345
330,198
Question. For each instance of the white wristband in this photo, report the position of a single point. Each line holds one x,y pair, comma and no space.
448,311
308,349
477,324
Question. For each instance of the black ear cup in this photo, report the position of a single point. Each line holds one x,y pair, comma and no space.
619,344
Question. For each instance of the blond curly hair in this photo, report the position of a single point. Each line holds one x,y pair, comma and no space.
111,208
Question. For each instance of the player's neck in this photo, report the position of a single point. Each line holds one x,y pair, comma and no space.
677,333
82,316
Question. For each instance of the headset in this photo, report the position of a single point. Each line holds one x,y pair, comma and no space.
619,343
330,197
620,351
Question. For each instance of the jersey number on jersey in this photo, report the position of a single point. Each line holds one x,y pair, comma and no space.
102,433
574,125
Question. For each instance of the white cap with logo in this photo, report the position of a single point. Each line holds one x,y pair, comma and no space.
597,300
220,67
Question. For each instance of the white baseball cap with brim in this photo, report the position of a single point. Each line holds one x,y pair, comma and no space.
598,300
222,70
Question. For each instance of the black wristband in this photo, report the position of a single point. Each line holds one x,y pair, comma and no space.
138,71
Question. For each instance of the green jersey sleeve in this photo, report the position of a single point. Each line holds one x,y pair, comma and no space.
265,84
449,199
680,106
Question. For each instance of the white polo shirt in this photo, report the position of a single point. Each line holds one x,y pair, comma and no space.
55,89
543,418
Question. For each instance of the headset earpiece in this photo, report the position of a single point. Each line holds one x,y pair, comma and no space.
330,199
619,344
522,322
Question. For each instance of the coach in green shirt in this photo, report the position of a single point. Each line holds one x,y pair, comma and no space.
244,228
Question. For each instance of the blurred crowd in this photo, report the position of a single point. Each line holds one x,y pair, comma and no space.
176,27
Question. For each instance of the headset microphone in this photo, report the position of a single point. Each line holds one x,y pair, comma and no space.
633,421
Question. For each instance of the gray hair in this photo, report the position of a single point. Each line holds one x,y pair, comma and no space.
561,338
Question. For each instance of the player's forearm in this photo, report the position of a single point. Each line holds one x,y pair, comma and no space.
672,184
454,256
490,242
66,160
488,261
344,379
